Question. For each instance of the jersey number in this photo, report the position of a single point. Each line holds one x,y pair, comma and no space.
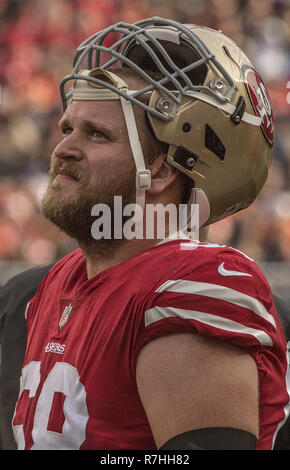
62,381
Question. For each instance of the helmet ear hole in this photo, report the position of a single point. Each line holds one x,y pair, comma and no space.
184,158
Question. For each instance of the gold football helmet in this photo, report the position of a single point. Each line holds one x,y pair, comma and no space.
209,104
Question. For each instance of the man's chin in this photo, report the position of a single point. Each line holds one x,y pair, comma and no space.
55,202
70,211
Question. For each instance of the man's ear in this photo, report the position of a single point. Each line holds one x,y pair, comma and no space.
162,175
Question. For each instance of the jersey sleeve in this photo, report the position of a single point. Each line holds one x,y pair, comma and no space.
223,296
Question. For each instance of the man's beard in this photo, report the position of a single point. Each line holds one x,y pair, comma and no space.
73,215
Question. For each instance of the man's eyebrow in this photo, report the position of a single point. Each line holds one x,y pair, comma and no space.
87,124
63,122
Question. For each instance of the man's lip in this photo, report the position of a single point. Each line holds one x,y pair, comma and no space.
66,174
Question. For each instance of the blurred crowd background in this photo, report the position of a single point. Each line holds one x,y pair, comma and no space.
37,43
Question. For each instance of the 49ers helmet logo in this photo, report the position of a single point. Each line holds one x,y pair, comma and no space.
260,101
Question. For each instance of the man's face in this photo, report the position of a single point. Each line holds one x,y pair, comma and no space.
92,163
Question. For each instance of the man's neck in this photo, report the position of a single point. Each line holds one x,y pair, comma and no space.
99,260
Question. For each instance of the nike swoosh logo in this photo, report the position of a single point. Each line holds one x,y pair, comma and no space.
226,272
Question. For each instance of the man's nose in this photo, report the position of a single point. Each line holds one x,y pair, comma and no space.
69,147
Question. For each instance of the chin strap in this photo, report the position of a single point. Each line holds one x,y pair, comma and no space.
143,175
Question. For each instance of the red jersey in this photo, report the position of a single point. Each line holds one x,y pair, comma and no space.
78,384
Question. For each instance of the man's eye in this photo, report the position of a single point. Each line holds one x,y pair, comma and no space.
66,130
96,133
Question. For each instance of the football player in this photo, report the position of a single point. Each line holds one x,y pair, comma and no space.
137,342
14,297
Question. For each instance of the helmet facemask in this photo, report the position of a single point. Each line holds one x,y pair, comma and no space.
185,82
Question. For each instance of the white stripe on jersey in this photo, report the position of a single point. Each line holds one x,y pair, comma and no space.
158,313
192,244
196,244
216,291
